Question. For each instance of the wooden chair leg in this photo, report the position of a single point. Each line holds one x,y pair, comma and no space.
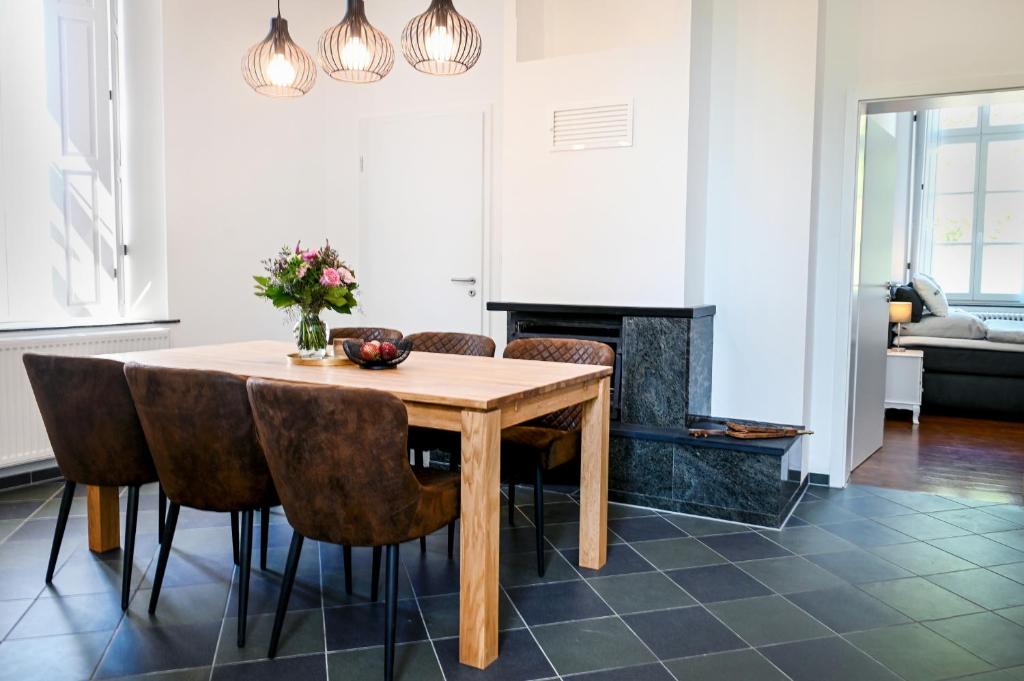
391,612
375,577
346,552
291,567
165,552
62,523
161,503
264,536
451,540
131,521
234,536
245,558
511,503
538,517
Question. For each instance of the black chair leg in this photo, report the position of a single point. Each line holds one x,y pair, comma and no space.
287,581
62,523
538,517
245,562
234,536
165,552
264,536
451,539
511,503
131,521
346,553
423,544
375,577
161,503
421,458
391,612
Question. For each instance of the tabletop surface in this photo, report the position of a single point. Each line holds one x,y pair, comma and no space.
481,383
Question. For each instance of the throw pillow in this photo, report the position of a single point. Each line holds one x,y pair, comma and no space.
932,294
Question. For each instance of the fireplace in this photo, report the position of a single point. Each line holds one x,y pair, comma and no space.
661,387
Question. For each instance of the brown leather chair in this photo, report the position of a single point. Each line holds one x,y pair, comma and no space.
96,438
367,333
339,457
530,449
200,430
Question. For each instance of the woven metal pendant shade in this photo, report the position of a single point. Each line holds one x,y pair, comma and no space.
354,51
276,66
441,41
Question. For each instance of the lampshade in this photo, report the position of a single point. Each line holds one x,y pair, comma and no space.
353,50
899,312
276,66
441,41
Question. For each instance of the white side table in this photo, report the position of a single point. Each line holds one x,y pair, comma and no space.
903,380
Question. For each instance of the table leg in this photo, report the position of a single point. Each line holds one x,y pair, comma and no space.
594,480
104,518
481,506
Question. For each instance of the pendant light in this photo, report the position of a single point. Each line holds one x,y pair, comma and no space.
354,51
276,66
441,41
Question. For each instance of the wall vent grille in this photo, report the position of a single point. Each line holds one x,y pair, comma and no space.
592,125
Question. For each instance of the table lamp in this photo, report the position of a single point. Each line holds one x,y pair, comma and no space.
899,314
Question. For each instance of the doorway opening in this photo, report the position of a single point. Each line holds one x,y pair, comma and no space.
937,364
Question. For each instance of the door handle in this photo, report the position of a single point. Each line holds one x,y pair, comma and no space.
463,280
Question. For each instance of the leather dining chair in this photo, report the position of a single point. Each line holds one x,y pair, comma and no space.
339,458
535,447
200,430
366,333
422,440
96,437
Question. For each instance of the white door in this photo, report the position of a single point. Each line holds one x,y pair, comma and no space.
871,287
422,222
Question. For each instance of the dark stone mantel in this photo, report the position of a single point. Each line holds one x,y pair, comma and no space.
610,310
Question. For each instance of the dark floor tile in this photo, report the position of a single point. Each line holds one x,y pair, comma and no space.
866,533
38,492
673,554
847,608
873,506
7,527
89,576
520,569
564,512
645,528
432,576
858,566
682,632
717,583
921,558
1015,614
917,654
640,592
768,619
808,539
919,599
35,530
301,634
591,645
70,615
519,659
821,512
699,527
1011,512
921,526
360,626
194,674
37,658
989,636
980,550
265,589
1014,571
790,574
18,510
11,612
441,614
745,546
987,589
307,668
831,658
918,501
622,560
413,662
738,665
187,568
976,520
141,649
181,604
21,583
644,672
1011,538
559,602
567,535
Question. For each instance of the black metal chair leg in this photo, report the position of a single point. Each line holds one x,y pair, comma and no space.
346,553
245,563
287,581
538,517
451,539
423,544
264,536
62,523
511,503
131,521
391,612
165,552
421,458
375,577
234,536
161,503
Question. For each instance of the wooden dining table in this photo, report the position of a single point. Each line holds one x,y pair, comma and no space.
477,396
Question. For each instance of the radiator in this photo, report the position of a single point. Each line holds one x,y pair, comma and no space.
1008,316
22,436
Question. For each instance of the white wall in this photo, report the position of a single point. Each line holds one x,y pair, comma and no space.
875,49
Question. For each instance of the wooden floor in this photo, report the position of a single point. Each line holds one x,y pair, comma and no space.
967,457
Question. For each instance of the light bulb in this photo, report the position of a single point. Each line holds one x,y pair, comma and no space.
440,45
280,71
355,56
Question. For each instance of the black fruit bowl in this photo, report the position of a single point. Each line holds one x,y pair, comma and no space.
352,348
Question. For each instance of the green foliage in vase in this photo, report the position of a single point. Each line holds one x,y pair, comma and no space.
312,280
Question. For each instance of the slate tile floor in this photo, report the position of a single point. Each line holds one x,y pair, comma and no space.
864,584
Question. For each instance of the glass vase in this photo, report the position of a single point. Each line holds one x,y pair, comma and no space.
311,335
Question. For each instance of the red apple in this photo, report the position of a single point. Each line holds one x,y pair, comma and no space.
369,352
388,351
